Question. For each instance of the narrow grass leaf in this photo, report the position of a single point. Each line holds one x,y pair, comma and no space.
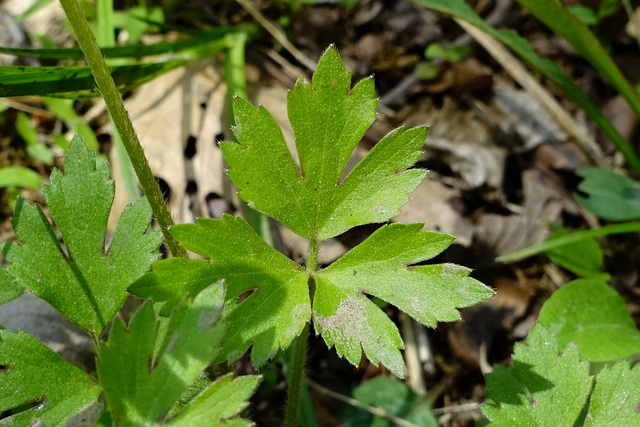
554,15
19,176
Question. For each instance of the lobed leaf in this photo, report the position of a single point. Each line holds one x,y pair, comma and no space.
269,318
329,119
542,388
591,314
616,396
144,373
381,266
39,385
85,282
268,301
220,401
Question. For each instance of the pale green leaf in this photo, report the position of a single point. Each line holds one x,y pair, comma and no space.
84,281
35,149
217,403
591,314
611,196
543,388
615,400
269,318
52,389
381,266
141,388
19,176
328,118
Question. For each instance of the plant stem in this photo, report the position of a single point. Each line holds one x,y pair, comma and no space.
115,105
296,377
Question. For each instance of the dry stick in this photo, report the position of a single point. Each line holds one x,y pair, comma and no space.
115,105
278,35
379,412
414,367
540,94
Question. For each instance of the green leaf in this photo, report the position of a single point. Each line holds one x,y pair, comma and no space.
584,13
22,81
328,118
591,314
392,396
611,196
19,176
451,54
543,388
380,267
268,300
85,282
142,385
39,384
615,397
269,318
220,401
584,258
9,290
35,149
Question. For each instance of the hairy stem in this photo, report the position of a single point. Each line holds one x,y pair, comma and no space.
296,377
115,105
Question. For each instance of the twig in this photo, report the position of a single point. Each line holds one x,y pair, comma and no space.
540,94
12,103
414,367
278,35
379,412
465,407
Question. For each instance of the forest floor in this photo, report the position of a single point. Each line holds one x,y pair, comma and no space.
502,169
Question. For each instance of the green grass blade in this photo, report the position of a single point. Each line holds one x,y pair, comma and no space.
133,51
22,81
460,9
566,25
31,10
627,227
